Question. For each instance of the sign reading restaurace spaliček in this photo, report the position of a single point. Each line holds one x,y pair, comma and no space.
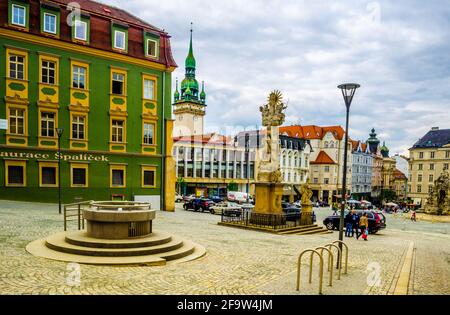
54,156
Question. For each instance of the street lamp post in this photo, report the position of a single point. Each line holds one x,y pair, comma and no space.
348,91
59,132
247,138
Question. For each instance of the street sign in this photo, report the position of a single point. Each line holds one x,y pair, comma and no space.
4,124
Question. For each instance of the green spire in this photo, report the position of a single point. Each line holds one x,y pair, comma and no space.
190,59
177,93
203,94
384,150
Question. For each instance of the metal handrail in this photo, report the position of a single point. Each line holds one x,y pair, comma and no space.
299,265
69,208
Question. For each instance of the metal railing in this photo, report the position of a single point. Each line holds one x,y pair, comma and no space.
319,252
74,212
264,220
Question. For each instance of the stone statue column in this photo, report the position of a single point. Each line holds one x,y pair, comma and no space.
307,208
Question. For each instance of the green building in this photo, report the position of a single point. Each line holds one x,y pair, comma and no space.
100,76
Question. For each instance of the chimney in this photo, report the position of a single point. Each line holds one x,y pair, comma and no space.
434,128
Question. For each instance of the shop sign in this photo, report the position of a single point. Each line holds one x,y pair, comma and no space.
82,157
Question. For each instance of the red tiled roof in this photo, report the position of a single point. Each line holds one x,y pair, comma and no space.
312,131
109,11
204,139
323,158
399,174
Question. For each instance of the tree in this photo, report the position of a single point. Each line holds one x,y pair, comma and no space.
388,195
232,186
180,184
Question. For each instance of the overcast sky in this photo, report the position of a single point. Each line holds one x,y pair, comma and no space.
399,51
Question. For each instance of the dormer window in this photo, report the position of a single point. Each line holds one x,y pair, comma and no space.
119,40
18,15
49,23
151,48
80,30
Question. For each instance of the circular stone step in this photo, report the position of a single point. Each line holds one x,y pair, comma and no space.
58,242
80,238
187,252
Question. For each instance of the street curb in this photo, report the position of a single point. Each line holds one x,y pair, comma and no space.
402,285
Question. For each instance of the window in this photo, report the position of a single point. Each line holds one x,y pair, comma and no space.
148,176
447,154
430,188
78,77
431,167
430,178
326,181
117,130
16,121
431,155
420,167
152,48
419,177
48,72
50,23
419,188
18,15
315,180
78,123
80,30
47,124
118,80
149,132
16,67
420,155
119,40
15,174
445,166
118,175
47,174
79,175
327,169
149,89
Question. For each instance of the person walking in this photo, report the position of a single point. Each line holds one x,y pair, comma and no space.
348,224
355,223
364,226
413,216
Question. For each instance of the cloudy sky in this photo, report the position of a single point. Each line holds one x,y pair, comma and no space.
399,51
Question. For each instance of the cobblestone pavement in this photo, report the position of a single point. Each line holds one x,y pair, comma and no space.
237,261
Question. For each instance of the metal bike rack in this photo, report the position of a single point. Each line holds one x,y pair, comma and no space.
346,254
330,262
299,265
340,258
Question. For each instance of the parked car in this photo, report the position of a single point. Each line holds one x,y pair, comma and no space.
178,198
227,208
199,204
238,196
188,198
377,221
215,199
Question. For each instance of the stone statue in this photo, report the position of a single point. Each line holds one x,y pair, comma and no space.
272,117
438,201
306,192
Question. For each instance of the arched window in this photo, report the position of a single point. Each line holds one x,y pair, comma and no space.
325,145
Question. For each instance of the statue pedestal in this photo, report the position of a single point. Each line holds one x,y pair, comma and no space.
268,198
306,218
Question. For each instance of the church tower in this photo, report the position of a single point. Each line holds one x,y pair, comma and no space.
189,103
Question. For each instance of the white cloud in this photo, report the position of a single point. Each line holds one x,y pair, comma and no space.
397,51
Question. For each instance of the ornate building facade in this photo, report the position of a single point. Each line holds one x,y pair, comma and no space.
326,159
189,103
362,163
102,82
428,159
